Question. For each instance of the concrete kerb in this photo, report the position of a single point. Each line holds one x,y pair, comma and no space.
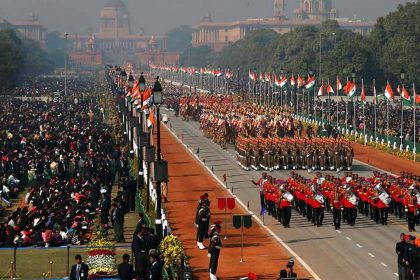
256,218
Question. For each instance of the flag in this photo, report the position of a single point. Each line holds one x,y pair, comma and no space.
399,90
339,85
300,81
310,83
352,90
321,90
261,77
330,89
416,97
363,96
263,211
151,119
280,82
267,77
405,97
389,94
375,96
147,98
293,81
347,87
252,76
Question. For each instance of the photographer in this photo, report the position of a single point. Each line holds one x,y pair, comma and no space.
284,274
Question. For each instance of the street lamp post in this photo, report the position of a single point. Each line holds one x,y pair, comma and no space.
123,76
402,76
140,136
161,168
353,76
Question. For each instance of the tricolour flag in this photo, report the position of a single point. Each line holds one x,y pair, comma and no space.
347,87
363,96
321,90
416,97
352,90
281,82
310,83
300,81
329,88
339,85
151,119
252,76
261,77
405,97
389,93
267,77
293,81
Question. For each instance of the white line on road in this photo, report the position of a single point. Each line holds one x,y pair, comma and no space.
348,238
396,274
358,245
279,240
372,255
338,231
383,264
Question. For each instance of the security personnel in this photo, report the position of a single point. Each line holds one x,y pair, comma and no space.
214,249
201,219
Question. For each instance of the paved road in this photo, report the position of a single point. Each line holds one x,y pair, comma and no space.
365,251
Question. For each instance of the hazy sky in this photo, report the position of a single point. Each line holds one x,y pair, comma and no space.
77,16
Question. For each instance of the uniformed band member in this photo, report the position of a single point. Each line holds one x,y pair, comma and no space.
336,207
411,209
214,249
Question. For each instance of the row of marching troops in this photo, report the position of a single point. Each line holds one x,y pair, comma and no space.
191,105
345,197
204,230
294,153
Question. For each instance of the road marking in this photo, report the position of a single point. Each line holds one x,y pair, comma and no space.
338,231
348,238
358,245
396,274
372,255
383,264
279,240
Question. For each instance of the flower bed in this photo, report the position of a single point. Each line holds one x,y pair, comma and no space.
101,259
172,250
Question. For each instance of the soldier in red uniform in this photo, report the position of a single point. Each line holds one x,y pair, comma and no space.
285,209
410,203
337,206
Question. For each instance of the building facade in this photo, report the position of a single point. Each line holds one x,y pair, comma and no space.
218,35
115,39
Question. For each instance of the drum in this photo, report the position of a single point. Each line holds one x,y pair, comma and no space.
385,198
288,196
319,198
353,200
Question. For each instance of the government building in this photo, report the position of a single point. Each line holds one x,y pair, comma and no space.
218,35
115,41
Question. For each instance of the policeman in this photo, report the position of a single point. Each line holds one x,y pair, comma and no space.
214,249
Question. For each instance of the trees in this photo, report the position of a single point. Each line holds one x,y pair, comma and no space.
199,57
11,58
179,39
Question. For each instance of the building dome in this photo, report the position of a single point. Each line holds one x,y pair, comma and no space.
115,19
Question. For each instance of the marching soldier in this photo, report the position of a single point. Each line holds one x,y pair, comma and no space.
336,207
410,203
214,249
285,209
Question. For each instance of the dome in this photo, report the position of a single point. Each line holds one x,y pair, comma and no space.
114,7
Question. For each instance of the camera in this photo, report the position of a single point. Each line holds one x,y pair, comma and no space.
165,118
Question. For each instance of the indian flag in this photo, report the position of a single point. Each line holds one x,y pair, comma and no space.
321,90
416,97
352,90
339,85
151,119
293,81
363,96
329,88
300,81
405,97
310,83
282,82
389,94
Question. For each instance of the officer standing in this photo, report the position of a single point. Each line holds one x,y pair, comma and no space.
336,207
400,249
214,249
201,218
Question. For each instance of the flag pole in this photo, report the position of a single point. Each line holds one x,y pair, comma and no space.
364,116
374,107
387,122
402,116
337,104
329,104
414,121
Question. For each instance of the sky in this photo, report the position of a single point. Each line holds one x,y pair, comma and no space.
158,16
